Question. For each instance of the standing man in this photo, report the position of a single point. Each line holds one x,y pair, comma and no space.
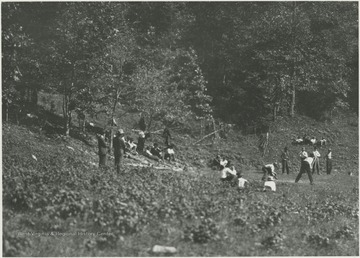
119,149
141,142
103,148
328,162
303,155
284,160
306,167
316,165
166,135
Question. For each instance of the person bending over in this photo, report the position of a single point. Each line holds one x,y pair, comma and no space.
269,170
227,174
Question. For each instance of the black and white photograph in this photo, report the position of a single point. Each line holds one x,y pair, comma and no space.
180,128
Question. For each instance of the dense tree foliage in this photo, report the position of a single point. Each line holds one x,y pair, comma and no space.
242,62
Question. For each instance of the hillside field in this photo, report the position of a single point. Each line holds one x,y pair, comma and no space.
57,202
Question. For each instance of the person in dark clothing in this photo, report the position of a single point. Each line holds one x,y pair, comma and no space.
141,142
167,136
215,163
119,149
307,139
306,167
103,148
142,124
285,161
328,162
155,150
147,153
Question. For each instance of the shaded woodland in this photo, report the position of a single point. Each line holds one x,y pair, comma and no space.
243,63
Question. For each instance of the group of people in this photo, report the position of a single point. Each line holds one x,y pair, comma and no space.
219,161
228,171
118,145
123,146
310,163
309,140
229,174
315,160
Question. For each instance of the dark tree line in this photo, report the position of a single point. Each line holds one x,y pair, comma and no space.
241,62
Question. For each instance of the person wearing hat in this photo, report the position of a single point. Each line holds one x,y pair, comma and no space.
119,149
285,160
328,162
269,170
103,148
303,155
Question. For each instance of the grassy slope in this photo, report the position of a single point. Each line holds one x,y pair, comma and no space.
63,191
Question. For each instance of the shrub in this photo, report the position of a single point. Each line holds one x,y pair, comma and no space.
274,242
203,233
14,245
344,232
318,240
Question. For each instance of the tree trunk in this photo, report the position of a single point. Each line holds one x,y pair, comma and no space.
66,102
83,125
34,97
292,106
216,135
67,124
150,122
66,112
274,113
293,72
202,127
112,119
67,115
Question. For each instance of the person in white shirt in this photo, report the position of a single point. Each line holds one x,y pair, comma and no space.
269,170
227,174
299,140
170,153
270,184
328,162
303,155
223,162
316,165
306,165
313,140
130,146
242,182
